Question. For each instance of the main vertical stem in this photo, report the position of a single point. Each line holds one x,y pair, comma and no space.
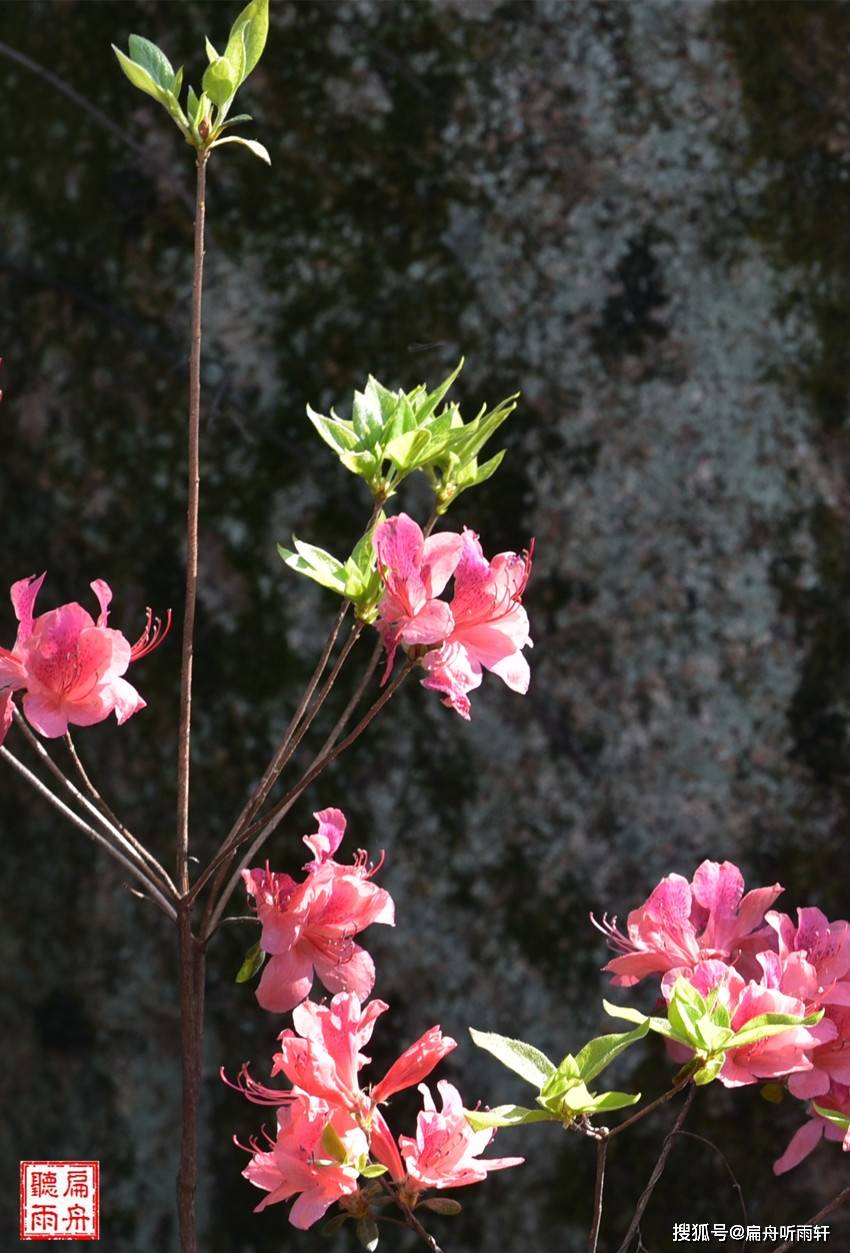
190,949
191,537
192,963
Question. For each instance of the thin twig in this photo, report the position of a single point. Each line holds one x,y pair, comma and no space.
320,762
652,1106
184,738
132,867
116,822
274,767
103,119
126,841
410,1218
291,741
837,1201
658,1170
598,1188
692,1135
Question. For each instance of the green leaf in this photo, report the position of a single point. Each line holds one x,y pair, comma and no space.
660,1025
566,1076
138,75
367,1233
441,1205
253,145
713,1036
220,82
366,417
576,1098
833,1116
318,565
525,1060
178,83
252,962
251,28
506,1116
235,52
614,1100
424,412
234,121
407,451
373,1171
212,55
333,1145
360,463
192,103
337,433
764,1025
153,59
601,1051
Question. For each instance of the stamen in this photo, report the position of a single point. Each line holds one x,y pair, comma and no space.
152,636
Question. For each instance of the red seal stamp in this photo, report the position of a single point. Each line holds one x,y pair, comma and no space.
60,1201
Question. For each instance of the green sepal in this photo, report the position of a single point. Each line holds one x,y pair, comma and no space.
367,1233
317,564
444,1205
708,1072
152,59
251,964
506,1116
373,1170
523,1059
333,1224
333,1145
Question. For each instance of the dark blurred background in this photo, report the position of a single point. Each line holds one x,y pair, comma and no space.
635,213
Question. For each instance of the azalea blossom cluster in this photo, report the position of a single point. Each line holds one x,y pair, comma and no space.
760,961
68,665
483,627
332,1138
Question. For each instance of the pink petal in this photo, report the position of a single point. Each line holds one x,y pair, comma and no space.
286,980
103,592
47,715
5,712
441,554
355,974
126,700
414,1064
399,546
801,1144
23,596
324,843
433,623
513,671
384,1147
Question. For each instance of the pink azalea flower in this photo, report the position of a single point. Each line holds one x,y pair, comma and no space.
830,1061
807,1137
772,1057
296,1161
309,926
683,924
490,626
444,1153
415,570
327,1057
825,947
68,665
